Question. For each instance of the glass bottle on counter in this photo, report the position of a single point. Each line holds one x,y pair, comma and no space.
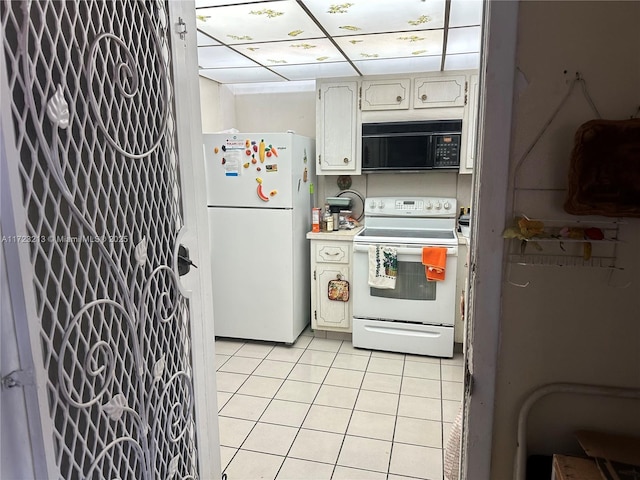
327,220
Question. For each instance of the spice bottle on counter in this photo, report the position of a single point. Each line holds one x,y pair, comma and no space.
315,219
326,218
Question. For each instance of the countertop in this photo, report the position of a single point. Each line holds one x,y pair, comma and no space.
462,240
340,235
347,235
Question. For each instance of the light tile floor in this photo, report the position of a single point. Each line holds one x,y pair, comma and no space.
321,409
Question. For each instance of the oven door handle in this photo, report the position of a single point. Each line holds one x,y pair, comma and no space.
404,250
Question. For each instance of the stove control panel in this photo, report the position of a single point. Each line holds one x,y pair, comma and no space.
413,206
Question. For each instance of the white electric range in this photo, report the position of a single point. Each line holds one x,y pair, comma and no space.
417,315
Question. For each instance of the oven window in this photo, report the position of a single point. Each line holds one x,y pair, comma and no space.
411,284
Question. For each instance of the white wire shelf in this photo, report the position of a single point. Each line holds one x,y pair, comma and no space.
542,260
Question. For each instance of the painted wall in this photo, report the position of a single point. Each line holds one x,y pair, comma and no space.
217,106
277,112
569,324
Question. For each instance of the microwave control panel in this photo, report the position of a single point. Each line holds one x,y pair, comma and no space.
446,151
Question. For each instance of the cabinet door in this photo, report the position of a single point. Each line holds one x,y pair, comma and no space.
338,129
472,125
444,91
385,94
330,314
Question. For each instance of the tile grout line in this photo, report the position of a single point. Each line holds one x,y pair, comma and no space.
310,404
335,353
344,437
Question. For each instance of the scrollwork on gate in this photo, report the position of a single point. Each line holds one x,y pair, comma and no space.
88,350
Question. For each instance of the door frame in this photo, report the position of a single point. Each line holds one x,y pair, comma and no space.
195,235
497,75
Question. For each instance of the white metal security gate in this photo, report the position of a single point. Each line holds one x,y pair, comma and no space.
94,121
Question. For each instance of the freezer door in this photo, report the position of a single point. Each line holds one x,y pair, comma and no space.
248,169
260,279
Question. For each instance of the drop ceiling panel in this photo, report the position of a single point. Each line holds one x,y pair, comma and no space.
257,22
218,3
315,70
241,75
205,40
399,65
293,52
463,40
221,57
465,13
366,16
376,36
392,45
462,61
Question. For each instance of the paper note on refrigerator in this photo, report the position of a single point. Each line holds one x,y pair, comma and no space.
232,164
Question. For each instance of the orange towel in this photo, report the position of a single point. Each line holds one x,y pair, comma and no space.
434,260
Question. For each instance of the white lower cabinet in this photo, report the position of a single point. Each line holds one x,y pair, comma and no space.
330,260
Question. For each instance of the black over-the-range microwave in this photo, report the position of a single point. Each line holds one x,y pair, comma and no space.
411,146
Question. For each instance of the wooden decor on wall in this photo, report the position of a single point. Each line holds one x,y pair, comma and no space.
604,173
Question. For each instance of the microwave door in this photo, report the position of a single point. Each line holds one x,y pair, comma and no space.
396,153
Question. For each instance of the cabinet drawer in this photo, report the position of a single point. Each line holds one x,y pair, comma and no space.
332,253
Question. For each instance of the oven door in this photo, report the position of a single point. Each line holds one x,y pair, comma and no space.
414,299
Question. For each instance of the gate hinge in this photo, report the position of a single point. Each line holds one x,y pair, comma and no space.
181,28
18,378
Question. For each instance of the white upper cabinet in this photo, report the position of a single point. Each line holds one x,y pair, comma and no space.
342,105
338,128
439,91
390,94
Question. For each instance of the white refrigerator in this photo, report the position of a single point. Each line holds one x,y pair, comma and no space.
260,196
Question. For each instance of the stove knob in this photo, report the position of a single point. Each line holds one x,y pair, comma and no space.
447,205
429,206
380,204
372,204
438,205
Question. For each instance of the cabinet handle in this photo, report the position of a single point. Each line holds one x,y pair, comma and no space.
398,99
346,160
333,254
423,97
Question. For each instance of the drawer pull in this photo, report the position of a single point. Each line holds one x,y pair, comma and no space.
398,99
424,97
346,160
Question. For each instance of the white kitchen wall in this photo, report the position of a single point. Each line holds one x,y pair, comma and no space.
217,106
569,324
277,112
